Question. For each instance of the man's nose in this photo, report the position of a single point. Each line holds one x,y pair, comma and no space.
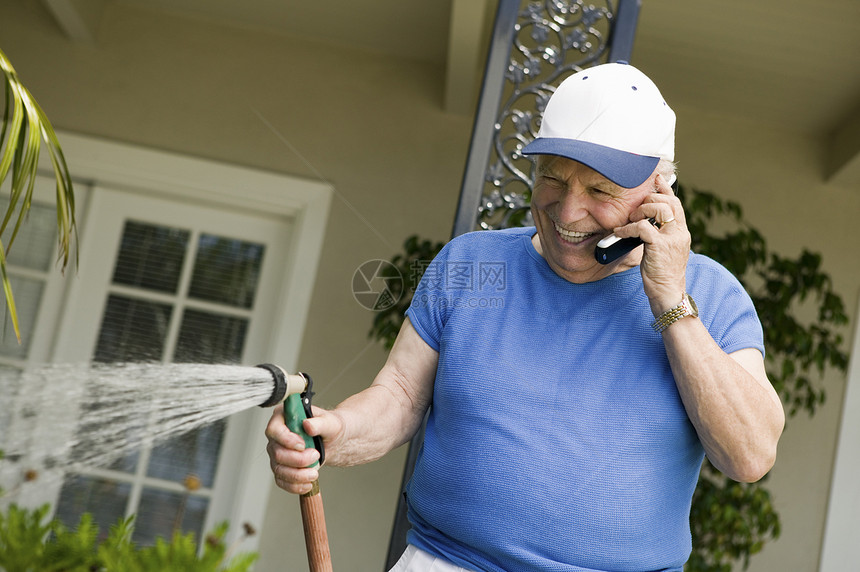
572,204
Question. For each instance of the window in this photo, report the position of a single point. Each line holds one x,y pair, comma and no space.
176,295
181,260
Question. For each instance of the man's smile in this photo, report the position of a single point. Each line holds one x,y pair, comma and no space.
572,236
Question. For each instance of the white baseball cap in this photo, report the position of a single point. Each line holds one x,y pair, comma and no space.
612,118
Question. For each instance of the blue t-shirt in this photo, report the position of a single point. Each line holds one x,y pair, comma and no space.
557,440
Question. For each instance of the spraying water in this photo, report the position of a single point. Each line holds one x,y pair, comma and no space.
70,416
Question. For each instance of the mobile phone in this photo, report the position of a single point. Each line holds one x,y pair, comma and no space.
612,248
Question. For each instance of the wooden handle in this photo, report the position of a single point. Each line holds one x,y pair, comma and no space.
316,536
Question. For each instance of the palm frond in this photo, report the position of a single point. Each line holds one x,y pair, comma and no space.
25,128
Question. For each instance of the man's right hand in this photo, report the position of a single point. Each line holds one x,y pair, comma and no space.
288,457
365,426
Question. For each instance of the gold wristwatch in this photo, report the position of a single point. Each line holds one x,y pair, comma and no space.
687,307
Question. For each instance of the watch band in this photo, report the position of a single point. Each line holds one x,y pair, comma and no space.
687,307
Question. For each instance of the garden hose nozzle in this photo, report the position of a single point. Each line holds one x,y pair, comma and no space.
285,384
298,391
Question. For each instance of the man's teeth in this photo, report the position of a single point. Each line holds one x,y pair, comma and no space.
572,236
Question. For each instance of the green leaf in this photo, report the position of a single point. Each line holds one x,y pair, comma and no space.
23,534
25,127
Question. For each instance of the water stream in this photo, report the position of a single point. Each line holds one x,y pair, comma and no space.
68,416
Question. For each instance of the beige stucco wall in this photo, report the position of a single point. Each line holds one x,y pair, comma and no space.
373,128
776,176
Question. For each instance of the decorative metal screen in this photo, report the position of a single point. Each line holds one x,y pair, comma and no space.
536,44
552,39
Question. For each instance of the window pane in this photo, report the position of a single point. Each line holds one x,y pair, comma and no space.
106,500
35,244
163,512
28,296
150,256
98,433
192,454
226,271
210,338
132,330
203,338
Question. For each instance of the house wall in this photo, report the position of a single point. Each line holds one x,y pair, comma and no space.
373,127
776,177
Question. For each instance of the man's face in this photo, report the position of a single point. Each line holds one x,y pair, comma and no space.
574,207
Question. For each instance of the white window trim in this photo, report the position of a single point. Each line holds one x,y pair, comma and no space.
839,548
307,202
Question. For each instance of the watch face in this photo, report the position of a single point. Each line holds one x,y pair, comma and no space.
691,304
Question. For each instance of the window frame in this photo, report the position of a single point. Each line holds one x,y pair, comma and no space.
101,164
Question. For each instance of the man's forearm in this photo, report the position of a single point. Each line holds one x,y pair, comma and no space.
390,411
375,421
734,408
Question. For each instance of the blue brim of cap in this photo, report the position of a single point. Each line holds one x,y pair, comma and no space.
622,168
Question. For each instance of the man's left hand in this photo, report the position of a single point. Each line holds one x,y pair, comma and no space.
667,246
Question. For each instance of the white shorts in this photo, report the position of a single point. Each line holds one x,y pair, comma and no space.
416,560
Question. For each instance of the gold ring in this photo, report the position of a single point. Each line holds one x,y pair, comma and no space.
665,222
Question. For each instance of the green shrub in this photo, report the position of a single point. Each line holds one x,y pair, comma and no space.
30,542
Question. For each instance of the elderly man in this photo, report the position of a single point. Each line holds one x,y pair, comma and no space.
568,423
